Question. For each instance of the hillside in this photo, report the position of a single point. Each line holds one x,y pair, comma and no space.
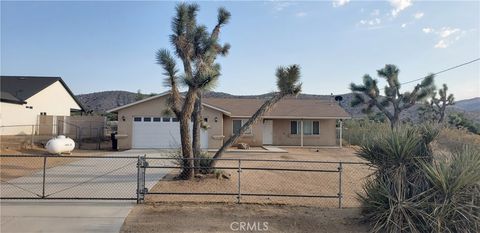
100,102
471,105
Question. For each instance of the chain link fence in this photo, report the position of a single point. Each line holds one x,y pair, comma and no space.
68,177
306,183
31,136
155,179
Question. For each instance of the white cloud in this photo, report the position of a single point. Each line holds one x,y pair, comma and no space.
301,14
446,36
441,44
375,12
399,5
339,3
404,25
446,31
280,6
418,15
427,30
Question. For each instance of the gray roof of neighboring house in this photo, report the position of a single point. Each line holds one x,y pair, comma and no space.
9,98
17,89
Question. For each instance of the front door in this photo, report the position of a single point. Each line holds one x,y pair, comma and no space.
267,132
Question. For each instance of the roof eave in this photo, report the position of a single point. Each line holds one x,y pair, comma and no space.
13,101
161,95
298,117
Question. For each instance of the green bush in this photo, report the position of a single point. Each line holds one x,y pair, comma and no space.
410,191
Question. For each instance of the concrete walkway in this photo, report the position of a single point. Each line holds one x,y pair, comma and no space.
99,177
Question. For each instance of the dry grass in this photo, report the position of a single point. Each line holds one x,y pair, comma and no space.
452,139
274,182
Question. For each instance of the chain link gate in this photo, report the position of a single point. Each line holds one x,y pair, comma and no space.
69,177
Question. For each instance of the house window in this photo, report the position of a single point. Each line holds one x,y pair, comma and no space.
137,119
237,124
147,119
166,119
156,119
309,127
294,127
174,119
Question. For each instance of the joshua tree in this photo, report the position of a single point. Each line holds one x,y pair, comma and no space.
287,83
438,105
393,96
208,68
197,49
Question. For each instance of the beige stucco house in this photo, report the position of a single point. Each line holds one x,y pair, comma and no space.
293,122
25,99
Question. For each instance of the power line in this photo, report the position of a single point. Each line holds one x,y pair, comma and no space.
439,72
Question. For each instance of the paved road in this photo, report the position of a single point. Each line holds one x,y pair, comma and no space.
99,177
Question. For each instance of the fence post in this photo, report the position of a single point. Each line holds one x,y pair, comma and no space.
44,170
239,196
33,133
141,170
340,195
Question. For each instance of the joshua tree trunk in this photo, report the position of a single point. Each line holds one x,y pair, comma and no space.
266,107
197,121
187,172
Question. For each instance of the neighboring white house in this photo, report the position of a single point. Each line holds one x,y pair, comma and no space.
24,99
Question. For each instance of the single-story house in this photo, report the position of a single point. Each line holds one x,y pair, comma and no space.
25,98
292,122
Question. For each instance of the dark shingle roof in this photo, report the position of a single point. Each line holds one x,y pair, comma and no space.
17,89
9,98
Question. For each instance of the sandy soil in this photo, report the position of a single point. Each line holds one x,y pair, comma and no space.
277,182
191,217
11,168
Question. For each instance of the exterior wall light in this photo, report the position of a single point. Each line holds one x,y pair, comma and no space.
216,119
123,118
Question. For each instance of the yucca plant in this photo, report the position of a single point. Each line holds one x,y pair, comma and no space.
454,195
413,191
391,194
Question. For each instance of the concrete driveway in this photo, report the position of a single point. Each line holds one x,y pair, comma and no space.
98,178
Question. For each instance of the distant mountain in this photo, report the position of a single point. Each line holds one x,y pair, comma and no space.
469,105
100,102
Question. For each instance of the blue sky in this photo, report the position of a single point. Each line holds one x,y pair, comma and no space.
97,46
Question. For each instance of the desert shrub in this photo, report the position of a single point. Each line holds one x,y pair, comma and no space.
204,160
460,121
410,191
361,132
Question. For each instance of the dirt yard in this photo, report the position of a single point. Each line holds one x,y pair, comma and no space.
274,182
191,217
11,167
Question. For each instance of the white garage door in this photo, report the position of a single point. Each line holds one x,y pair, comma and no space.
160,132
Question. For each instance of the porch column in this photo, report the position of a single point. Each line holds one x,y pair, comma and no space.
301,133
341,131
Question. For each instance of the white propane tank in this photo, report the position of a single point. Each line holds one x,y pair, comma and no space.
60,144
